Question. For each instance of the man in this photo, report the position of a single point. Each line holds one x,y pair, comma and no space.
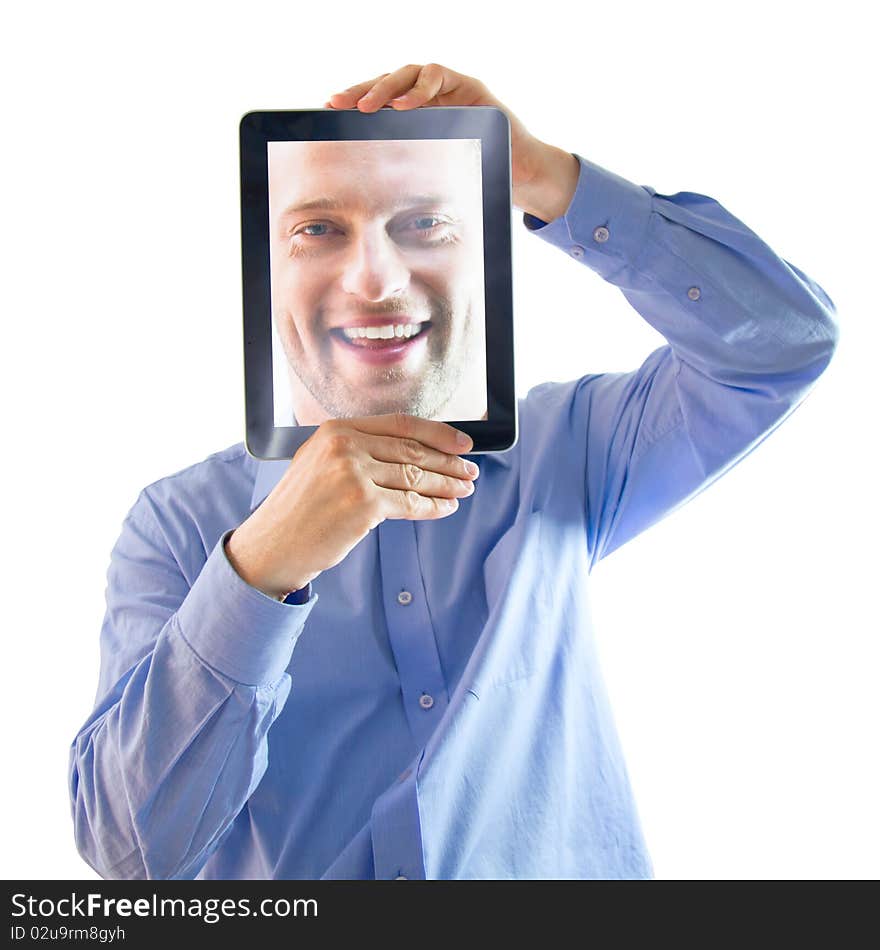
309,669
376,257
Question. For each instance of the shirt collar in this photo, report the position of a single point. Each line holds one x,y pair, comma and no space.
271,471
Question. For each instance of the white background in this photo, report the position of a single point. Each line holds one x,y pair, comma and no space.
739,636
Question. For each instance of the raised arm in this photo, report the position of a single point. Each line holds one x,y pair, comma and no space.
748,336
748,333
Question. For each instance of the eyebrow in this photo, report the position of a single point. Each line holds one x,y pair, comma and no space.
334,204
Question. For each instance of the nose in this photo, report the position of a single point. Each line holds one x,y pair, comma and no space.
374,269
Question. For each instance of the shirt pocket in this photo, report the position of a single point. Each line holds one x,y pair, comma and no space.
516,640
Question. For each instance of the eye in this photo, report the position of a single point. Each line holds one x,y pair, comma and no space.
431,230
305,230
309,238
421,226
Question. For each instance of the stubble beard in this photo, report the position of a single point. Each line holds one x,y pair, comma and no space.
432,391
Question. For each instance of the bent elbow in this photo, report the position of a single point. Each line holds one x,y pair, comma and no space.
821,317
112,855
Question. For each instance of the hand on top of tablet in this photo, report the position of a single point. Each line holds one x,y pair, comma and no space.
534,165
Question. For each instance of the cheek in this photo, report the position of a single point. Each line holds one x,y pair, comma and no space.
451,273
296,288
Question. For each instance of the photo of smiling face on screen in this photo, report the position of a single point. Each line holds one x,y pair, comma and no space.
376,260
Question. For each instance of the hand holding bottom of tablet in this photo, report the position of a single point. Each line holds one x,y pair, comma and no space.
344,480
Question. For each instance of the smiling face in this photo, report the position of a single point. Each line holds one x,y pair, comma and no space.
377,277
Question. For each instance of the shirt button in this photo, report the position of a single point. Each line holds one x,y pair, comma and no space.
694,293
401,877
577,251
426,701
404,597
600,235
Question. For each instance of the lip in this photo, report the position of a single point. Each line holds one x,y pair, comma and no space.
382,352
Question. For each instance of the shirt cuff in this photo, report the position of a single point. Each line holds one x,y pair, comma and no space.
300,596
606,223
235,628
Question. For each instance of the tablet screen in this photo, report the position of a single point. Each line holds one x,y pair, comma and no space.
376,271
377,279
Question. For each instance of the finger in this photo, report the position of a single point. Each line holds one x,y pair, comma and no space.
401,425
400,81
432,82
411,505
401,452
407,476
348,97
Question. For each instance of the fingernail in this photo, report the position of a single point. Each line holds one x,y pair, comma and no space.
464,439
471,468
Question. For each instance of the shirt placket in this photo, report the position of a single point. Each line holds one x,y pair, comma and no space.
396,829
422,684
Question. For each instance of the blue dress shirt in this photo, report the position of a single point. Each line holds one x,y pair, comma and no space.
435,708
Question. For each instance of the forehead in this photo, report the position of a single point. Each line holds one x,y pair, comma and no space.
305,170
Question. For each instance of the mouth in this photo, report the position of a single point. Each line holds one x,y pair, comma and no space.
383,343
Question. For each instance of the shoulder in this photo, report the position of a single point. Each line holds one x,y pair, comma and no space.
203,499
213,471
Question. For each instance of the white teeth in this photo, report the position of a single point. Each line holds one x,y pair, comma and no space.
404,330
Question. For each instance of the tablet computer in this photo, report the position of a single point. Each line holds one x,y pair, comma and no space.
376,271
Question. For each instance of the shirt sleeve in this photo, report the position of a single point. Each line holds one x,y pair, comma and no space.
192,677
748,335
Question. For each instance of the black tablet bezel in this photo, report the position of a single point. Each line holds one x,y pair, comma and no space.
265,440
